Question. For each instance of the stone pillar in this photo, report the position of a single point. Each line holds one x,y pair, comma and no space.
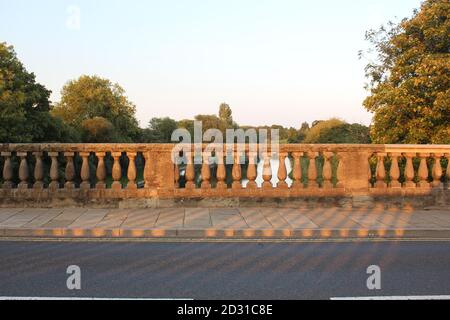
297,170
437,171
85,174
380,171
38,172
131,172
116,171
352,170
69,171
312,170
54,173
100,173
267,172
164,172
423,171
206,172
236,171
394,172
409,171
7,171
221,174
23,170
251,170
282,172
327,172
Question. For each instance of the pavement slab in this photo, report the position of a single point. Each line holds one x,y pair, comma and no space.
171,217
6,213
89,218
223,223
141,218
197,218
23,217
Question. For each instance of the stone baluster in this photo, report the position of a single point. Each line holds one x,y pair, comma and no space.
236,171
7,171
176,174
380,172
147,169
327,172
131,172
54,172
369,172
23,170
282,171
409,171
447,174
190,171
312,170
221,171
251,170
437,171
116,171
423,171
297,170
85,174
206,171
69,171
38,172
394,172
340,172
267,171
100,173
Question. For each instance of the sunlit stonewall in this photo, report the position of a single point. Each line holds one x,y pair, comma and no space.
149,175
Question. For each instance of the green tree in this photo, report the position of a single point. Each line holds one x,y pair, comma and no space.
337,131
159,130
187,124
225,114
91,96
410,78
25,105
98,129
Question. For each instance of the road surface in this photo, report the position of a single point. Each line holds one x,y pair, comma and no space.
313,270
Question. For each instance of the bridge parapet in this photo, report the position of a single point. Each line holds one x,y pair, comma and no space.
152,174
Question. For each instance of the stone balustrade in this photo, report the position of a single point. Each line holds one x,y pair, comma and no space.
90,174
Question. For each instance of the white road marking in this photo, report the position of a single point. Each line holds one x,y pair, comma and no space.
441,297
87,298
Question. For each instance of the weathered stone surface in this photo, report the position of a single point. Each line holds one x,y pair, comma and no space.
121,188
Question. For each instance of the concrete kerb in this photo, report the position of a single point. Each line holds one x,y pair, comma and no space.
225,234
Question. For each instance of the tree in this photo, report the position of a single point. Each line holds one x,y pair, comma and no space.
98,129
410,78
159,130
225,114
89,97
337,131
25,105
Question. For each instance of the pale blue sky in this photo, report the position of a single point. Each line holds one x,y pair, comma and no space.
273,61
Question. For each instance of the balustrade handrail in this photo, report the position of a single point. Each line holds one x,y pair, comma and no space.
130,170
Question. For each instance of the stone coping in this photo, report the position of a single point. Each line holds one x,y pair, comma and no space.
155,147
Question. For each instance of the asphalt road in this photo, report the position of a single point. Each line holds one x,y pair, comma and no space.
224,270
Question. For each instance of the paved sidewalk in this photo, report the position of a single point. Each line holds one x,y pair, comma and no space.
224,223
